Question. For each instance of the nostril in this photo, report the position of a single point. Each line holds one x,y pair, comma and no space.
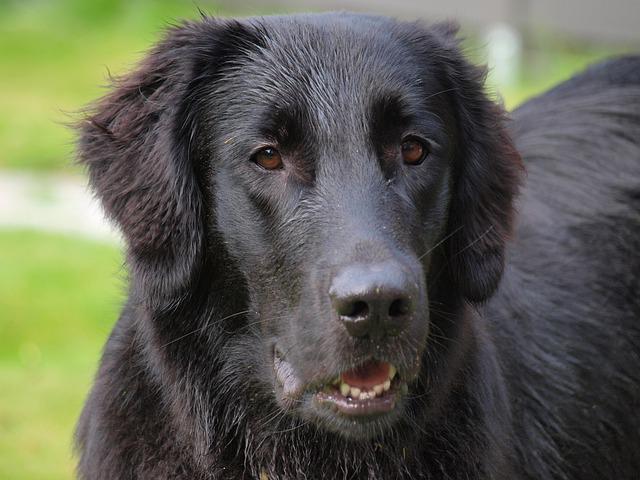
374,300
399,307
356,309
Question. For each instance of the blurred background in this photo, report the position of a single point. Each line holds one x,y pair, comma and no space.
62,277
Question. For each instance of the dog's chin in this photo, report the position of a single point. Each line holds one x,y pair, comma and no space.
336,413
357,403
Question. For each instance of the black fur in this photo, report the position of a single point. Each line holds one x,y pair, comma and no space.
535,376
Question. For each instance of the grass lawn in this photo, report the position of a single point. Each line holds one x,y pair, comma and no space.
54,57
59,297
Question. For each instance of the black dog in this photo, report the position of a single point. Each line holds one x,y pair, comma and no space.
316,210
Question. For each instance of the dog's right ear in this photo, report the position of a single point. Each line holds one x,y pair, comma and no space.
136,144
486,166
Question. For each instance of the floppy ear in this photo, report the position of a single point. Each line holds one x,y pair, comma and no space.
487,174
487,171
136,144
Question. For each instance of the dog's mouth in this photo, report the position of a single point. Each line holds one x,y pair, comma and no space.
371,389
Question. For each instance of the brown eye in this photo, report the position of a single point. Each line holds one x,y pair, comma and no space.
268,158
413,151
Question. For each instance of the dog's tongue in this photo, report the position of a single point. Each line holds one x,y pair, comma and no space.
368,375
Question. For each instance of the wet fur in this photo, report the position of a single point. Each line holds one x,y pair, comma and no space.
539,381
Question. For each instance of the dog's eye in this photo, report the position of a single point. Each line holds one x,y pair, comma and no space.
268,158
414,151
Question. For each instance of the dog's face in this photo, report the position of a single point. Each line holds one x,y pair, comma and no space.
349,167
331,177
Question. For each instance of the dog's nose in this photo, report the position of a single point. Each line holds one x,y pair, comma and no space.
374,300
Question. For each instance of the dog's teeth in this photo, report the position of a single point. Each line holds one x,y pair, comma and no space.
344,389
357,393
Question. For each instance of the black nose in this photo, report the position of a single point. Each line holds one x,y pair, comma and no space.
374,300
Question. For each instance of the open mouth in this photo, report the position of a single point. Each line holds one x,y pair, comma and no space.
369,389
372,388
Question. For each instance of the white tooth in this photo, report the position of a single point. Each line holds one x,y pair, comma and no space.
387,385
344,389
392,372
355,392
378,389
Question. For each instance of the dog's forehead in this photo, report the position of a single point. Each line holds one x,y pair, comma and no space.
337,54
328,67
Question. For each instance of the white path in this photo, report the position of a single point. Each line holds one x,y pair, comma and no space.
55,203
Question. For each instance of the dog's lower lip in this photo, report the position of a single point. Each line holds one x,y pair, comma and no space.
358,408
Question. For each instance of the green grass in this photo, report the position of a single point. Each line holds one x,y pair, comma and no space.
55,55
59,297
551,62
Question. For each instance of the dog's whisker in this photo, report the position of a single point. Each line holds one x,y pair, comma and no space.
440,243
205,326
476,240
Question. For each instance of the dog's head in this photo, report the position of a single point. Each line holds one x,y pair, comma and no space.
336,178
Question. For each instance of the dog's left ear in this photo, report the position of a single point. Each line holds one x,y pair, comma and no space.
487,169
136,143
